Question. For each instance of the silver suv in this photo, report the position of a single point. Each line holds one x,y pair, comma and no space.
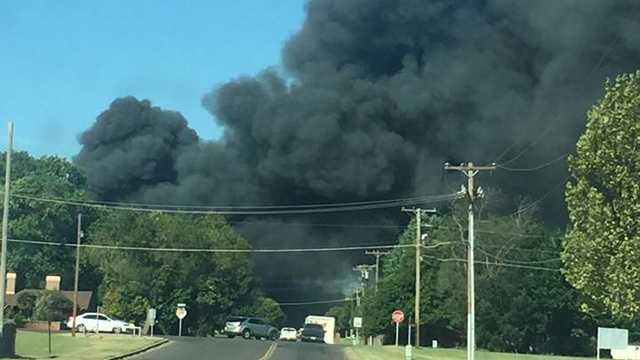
250,327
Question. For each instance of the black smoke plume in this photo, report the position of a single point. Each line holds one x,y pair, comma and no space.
375,95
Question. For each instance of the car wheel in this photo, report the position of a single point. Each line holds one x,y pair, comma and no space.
273,336
81,328
246,333
117,330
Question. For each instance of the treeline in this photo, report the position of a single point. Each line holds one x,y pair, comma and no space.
128,282
524,304
536,291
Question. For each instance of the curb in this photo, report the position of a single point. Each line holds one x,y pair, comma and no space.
139,350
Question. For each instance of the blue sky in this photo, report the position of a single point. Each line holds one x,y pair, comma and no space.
62,62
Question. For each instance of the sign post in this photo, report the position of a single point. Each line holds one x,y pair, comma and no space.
98,311
357,323
151,317
181,312
397,317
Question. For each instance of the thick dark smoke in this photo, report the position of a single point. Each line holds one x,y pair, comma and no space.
133,145
375,96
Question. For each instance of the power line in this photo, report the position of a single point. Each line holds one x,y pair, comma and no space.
542,198
328,225
511,261
597,66
432,199
237,207
315,302
205,250
535,168
530,267
526,148
511,248
433,246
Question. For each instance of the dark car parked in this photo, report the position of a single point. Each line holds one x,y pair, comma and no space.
312,332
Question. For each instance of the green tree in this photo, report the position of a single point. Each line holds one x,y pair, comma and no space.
342,314
269,310
30,219
212,285
523,302
26,302
602,248
52,306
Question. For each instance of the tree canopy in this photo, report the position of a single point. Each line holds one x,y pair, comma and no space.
523,302
211,284
50,177
602,249
52,306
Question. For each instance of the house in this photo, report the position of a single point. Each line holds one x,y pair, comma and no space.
52,283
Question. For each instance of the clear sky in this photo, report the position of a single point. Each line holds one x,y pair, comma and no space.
62,62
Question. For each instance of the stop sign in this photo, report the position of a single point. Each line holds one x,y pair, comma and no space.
397,316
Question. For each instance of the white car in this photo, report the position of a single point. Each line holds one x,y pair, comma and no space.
101,322
289,334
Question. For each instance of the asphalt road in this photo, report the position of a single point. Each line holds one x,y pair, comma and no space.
190,348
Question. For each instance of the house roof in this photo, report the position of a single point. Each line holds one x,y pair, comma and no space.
84,298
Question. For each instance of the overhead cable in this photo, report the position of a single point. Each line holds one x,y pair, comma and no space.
315,302
519,262
210,250
530,267
535,168
329,209
237,207
526,148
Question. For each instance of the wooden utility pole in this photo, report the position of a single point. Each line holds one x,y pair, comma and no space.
5,226
470,171
377,254
418,213
75,281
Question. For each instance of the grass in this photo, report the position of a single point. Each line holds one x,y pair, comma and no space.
391,353
35,345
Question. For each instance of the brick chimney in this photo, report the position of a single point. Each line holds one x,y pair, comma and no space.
11,284
53,283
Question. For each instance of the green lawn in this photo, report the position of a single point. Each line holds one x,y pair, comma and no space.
92,347
391,353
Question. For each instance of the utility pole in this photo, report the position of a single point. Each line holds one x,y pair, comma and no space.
418,213
377,254
470,171
5,227
75,281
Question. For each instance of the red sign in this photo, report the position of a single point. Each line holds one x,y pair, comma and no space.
397,316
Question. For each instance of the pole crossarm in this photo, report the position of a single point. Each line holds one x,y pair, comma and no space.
469,166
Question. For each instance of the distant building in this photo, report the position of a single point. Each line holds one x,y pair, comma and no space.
52,283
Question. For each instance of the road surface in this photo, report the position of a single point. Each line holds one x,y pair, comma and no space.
191,348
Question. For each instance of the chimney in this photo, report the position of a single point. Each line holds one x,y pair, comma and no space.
53,283
11,284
